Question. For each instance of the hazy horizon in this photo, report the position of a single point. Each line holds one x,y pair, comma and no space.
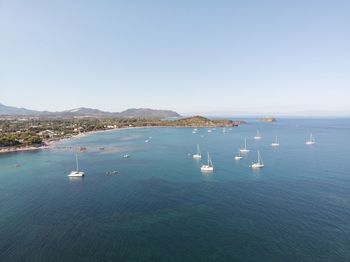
200,57
236,113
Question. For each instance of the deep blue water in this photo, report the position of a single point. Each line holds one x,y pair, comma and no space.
162,208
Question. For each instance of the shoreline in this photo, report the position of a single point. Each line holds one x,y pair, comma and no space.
23,149
49,144
89,133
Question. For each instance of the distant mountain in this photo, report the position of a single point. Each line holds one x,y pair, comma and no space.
147,113
88,112
84,111
10,110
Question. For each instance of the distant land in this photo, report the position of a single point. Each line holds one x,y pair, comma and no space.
267,119
88,112
30,133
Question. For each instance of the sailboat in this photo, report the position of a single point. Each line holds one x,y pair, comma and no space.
311,141
258,136
276,143
76,173
244,150
198,154
239,156
260,163
209,166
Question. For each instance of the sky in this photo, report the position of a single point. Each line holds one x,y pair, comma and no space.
218,57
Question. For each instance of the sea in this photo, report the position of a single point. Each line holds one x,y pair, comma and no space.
159,206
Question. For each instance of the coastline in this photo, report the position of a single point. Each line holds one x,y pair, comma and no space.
89,133
49,144
22,149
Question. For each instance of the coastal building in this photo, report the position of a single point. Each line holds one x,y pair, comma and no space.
47,133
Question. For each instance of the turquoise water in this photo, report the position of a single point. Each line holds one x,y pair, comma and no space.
162,208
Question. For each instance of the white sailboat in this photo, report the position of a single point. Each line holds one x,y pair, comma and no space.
238,156
198,154
275,143
311,141
258,136
194,131
76,173
209,166
260,163
244,150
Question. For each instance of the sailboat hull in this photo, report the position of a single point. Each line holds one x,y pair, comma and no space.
76,174
310,142
206,168
257,165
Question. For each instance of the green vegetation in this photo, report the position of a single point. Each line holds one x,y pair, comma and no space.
19,139
34,132
199,121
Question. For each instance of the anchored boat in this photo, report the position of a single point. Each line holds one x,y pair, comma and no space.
76,173
209,166
260,163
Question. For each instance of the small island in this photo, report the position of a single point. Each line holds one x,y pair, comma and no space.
267,119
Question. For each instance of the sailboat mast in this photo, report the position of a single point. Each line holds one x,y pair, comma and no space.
76,160
260,160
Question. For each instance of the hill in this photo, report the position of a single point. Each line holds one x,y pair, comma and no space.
11,110
82,112
147,113
200,121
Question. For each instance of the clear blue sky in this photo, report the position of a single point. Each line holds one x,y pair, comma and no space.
190,56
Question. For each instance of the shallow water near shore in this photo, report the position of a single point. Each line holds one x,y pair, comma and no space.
160,207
